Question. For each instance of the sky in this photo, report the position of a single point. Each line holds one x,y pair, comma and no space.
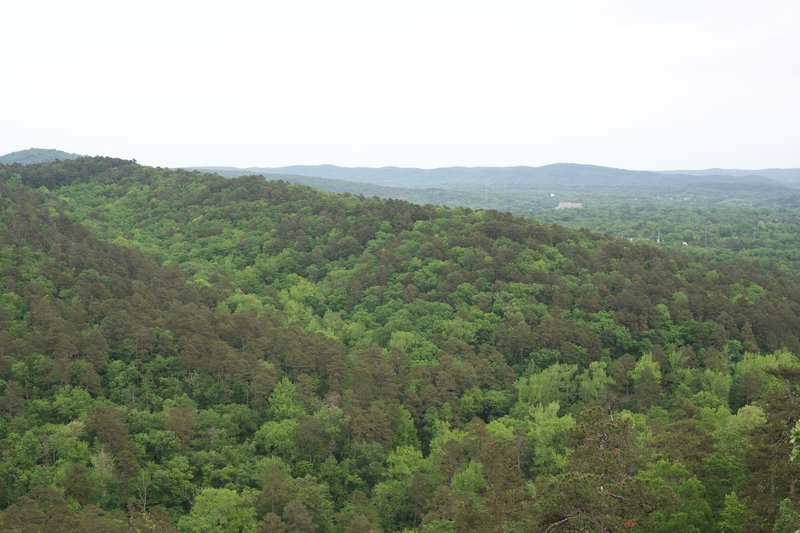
644,84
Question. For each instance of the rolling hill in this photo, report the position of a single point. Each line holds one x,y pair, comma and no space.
33,156
787,175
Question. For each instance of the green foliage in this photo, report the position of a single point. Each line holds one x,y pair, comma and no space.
684,507
788,519
219,510
182,350
643,365
554,384
284,402
470,479
735,515
593,383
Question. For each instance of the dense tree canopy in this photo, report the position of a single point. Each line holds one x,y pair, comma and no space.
183,351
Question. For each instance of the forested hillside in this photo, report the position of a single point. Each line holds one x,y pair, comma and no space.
743,215
754,231
180,350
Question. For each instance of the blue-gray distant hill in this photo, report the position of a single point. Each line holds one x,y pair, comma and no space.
787,175
559,174
524,189
585,177
35,156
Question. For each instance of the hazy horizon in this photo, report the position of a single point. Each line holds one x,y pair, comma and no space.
387,166
627,84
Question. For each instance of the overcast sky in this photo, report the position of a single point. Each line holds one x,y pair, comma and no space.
635,84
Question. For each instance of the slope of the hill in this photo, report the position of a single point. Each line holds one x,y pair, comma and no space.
718,220
474,371
109,364
264,234
34,156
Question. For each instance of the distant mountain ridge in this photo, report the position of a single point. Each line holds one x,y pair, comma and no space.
562,174
386,181
573,174
35,156
788,175
444,176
